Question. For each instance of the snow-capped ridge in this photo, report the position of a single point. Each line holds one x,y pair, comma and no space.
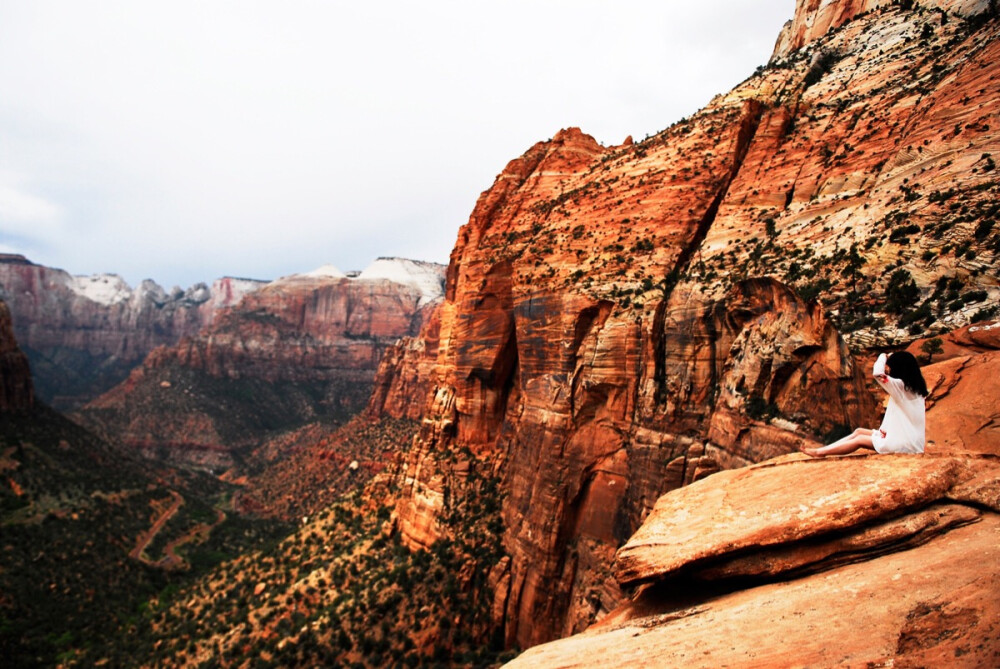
323,272
106,289
427,277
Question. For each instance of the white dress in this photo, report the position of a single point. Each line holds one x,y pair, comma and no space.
902,429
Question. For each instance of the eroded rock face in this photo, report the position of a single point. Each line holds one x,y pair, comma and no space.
297,350
963,414
815,18
16,390
586,409
622,321
84,334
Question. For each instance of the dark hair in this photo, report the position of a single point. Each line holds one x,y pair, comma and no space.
904,366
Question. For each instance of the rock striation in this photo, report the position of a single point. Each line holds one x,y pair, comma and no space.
84,333
16,389
300,349
812,551
621,321
815,18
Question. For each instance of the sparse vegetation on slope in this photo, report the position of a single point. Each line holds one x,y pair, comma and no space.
341,591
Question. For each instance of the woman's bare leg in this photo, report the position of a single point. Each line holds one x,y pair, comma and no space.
857,432
861,438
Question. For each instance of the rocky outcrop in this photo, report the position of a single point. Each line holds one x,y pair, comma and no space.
84,334
963,415
301,349
403,379
813,551
760,526
16,390
815,18
622,321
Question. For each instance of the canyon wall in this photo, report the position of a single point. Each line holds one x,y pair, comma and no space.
84,334
303,348
815,18
621,321
16,389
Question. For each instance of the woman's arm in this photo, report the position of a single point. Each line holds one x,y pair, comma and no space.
891,385
878,371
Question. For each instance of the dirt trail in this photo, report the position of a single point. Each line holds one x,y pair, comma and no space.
146,537
199,532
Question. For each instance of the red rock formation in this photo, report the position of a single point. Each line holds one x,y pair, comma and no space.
85,333
300,349
963,414
16,390
815,18
904,548
969,340
608,332
401,382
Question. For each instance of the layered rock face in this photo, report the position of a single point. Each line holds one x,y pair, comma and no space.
84,334
963,414
300,349
858,561
621,321
16,390
815,18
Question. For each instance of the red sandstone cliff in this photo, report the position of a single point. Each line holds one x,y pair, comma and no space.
815,18
84,334
300,349
901,545
621,321
16,390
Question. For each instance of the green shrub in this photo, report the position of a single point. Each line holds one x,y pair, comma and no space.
901,292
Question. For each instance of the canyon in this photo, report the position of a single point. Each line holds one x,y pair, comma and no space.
301,350
83,334
584,445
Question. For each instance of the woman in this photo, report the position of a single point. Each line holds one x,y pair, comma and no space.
902,428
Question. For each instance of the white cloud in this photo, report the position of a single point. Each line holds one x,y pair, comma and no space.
184,140
18,207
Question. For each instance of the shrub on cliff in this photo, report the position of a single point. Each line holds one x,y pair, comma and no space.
901,293
821,65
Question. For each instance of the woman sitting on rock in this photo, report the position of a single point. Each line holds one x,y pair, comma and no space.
902,428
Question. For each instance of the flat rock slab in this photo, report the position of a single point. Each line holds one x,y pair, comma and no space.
936,605
792,498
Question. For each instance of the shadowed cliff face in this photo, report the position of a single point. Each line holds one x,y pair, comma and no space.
621,321
16,390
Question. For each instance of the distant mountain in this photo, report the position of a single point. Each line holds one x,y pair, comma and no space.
83,334
300,349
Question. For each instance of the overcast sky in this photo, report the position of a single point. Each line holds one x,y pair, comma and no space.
184,141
